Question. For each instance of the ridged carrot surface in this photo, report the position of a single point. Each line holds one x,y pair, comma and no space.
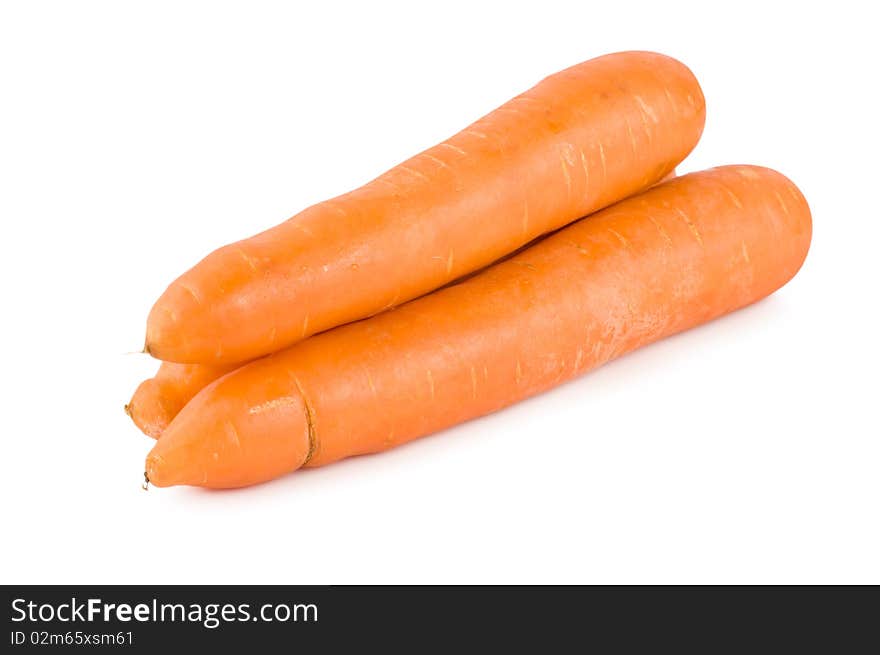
678,255
578,141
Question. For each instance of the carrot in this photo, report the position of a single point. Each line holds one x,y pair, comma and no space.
578,141
678,255
158,400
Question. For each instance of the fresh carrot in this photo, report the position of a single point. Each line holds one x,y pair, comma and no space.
158,400
678,255
578,141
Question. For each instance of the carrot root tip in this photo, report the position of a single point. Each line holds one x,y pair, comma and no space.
145,485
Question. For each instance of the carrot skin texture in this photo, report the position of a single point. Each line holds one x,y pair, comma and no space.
676,256
578,141
159,399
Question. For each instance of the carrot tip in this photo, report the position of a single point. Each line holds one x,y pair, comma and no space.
145,485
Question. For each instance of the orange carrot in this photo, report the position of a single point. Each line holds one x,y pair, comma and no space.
678,255
158,400
578,141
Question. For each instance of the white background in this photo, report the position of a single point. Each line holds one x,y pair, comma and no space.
136,137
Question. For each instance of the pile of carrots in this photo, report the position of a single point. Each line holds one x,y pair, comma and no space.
433,294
